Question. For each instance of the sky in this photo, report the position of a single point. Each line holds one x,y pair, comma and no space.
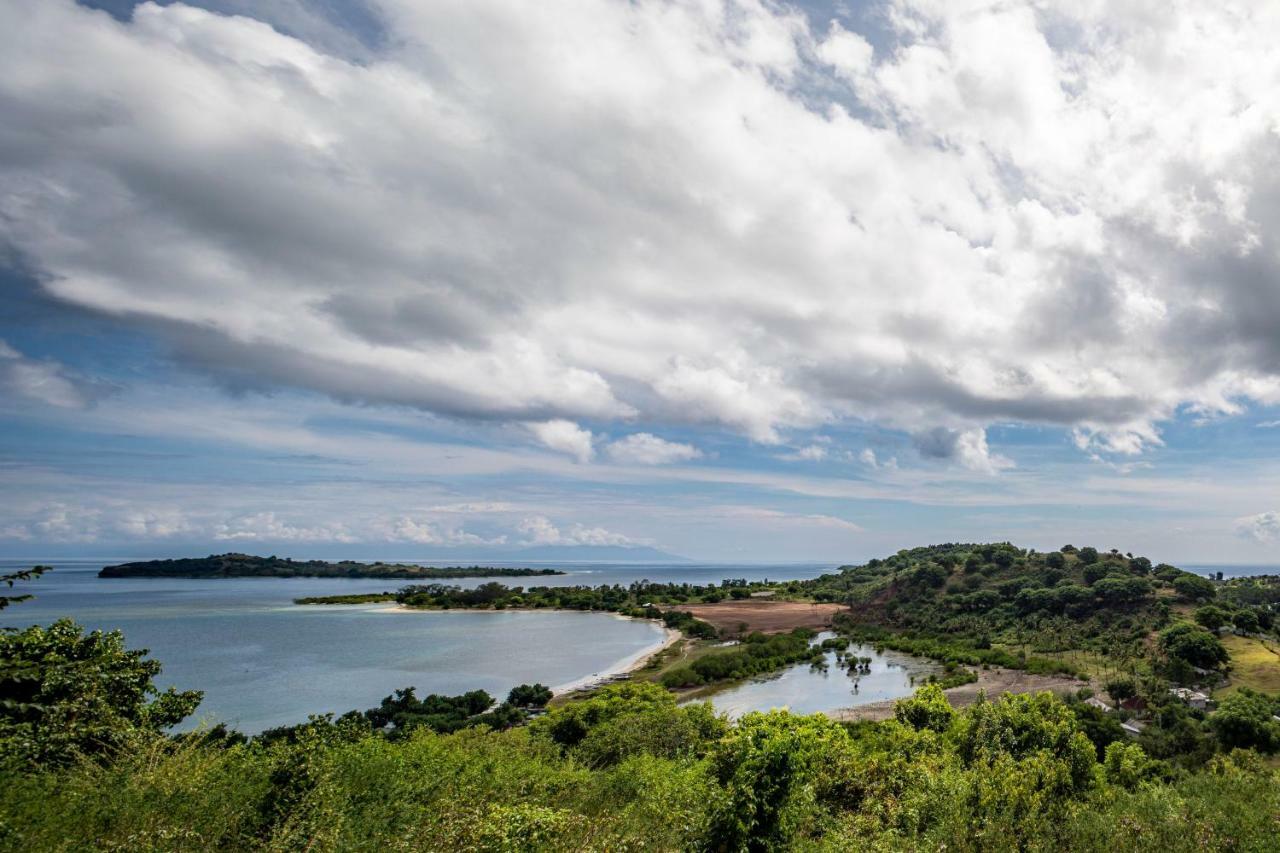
734,279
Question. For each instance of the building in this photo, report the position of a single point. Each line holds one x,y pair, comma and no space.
1133,728
1194,698
1098,703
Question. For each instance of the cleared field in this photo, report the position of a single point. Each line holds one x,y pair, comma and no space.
1254,664
768,617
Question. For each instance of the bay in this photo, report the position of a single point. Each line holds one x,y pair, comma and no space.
264,661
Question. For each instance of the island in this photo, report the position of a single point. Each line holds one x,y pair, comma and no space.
249,566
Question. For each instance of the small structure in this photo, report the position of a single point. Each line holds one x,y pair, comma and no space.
1194,698
1098,703
1133,728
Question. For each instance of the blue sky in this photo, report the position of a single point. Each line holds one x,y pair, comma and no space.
738,281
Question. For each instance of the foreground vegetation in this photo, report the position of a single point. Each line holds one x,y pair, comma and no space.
248,566
624,769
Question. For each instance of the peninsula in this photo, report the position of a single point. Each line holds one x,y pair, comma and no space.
248,566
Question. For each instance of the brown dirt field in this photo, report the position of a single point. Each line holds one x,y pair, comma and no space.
769,617
993,681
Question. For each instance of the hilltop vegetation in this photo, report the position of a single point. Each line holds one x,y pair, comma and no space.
996,603
249,566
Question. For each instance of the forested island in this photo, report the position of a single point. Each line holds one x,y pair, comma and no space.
1170,743
249,566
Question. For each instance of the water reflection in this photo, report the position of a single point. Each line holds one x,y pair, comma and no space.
806,689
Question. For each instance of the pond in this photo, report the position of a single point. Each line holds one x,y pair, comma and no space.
805,689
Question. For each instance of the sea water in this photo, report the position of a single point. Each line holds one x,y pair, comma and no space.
263,661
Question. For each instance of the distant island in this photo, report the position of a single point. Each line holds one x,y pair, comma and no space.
249,566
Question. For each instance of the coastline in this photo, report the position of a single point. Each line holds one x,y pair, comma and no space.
624,666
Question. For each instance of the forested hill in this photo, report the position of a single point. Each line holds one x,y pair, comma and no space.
248,566
989,590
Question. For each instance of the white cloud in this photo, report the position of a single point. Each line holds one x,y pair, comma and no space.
868,457
426,532
267,527
776,518
1263,527
968,447
540,530
565,437
1044,212
153,523
475,507
643,448
1267,424
43,381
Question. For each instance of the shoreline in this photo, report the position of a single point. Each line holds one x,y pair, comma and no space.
624,666
992,683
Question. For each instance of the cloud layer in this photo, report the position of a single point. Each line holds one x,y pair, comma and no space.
711,213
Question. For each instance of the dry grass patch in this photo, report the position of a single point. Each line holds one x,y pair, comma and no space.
767,617
1254,664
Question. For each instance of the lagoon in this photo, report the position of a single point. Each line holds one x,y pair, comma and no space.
263,661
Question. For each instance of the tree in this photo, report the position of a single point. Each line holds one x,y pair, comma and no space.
1094,572
1212,617
1127,765
1193,646
768,764
1193,587
1121,689
1140,565
65,693
1246,621
403,712
1023,727
1055,560
1088,556
529,695
21,575
1122,591
928,709
1244,720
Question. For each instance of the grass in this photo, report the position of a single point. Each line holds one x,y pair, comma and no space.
681,653
1254,664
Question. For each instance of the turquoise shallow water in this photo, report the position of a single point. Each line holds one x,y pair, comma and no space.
263,661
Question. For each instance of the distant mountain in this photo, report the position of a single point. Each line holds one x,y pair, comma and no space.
594,554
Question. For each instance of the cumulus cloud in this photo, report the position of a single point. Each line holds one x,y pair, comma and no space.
1049,212
868,457
1263,527
43,381
154,523
268,527
644,448
966,447
565,437
540,530
423,531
